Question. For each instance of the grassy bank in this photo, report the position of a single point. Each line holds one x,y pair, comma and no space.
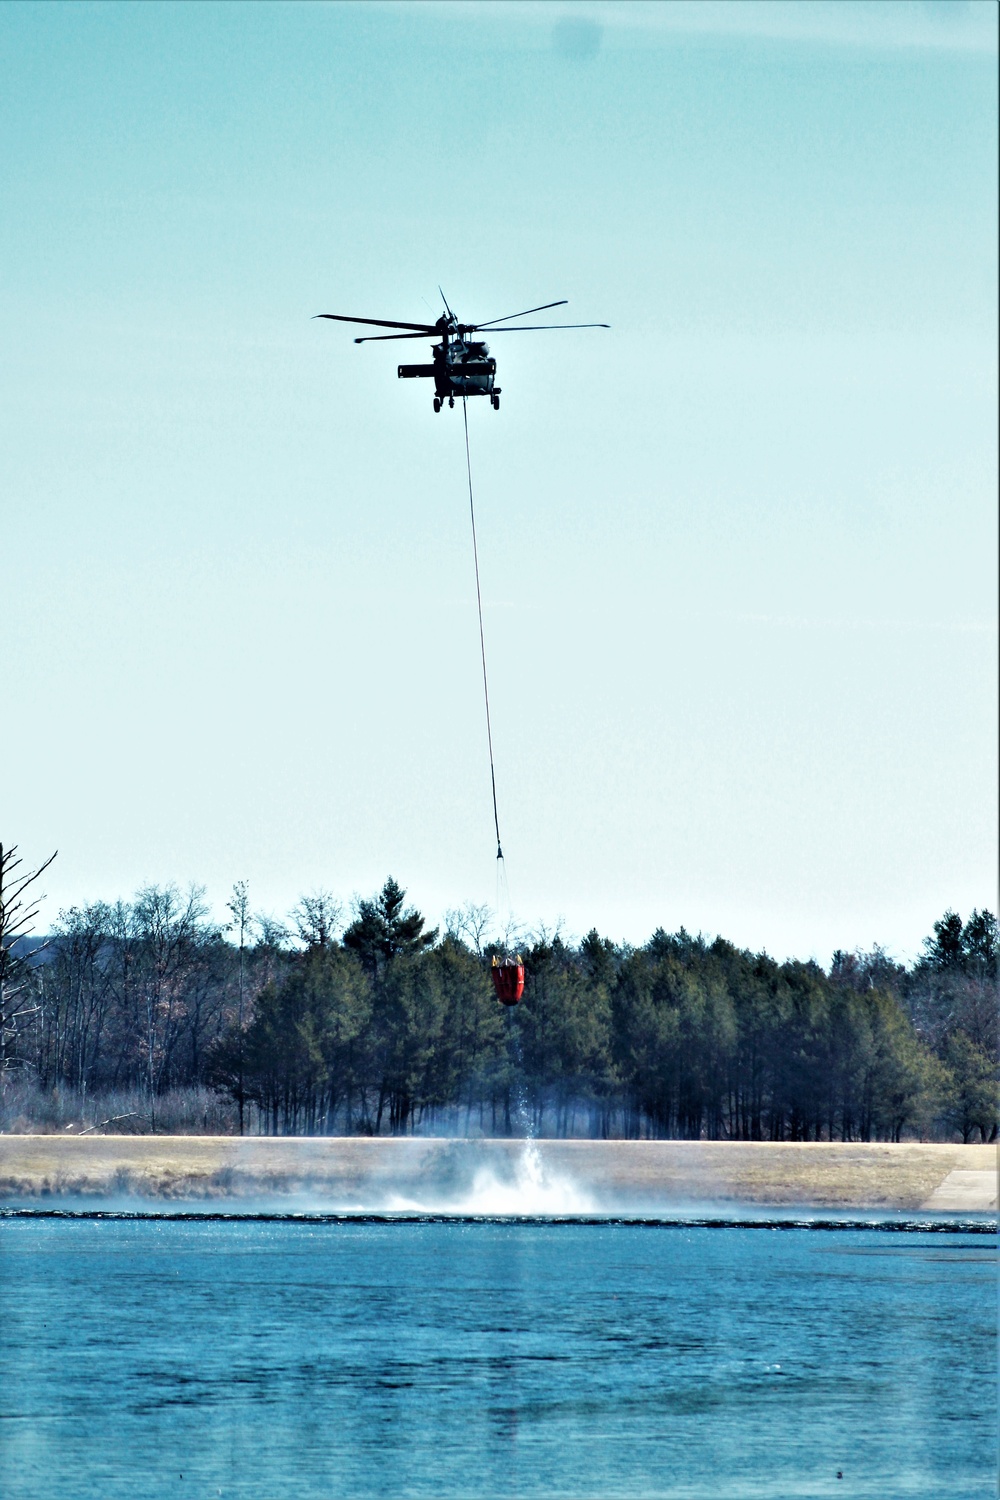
611,1175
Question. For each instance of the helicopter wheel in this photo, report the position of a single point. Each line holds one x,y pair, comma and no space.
495,401
451,401
437,403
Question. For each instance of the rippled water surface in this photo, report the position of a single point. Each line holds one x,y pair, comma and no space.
246,1357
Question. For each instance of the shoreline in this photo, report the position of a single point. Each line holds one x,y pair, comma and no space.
360,1172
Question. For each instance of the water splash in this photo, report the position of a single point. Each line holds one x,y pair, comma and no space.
532,1189
527,1187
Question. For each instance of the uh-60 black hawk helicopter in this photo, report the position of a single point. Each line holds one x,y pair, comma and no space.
461,366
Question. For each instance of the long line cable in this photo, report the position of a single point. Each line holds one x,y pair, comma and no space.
482,637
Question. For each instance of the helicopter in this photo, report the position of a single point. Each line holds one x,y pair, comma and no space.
460,366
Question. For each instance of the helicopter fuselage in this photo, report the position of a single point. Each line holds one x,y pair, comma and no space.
461,367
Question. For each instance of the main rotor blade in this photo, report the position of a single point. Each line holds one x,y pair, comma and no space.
444,299
379,322
537,327
382,338
544,308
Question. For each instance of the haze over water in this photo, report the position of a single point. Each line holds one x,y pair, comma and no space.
259,1358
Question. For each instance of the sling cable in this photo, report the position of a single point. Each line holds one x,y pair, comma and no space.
507,973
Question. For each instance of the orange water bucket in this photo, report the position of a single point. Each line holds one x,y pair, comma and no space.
508,979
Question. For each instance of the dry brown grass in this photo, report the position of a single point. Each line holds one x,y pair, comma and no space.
180,1168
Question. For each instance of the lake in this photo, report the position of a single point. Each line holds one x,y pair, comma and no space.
269,1357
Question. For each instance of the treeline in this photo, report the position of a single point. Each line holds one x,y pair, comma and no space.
378,1025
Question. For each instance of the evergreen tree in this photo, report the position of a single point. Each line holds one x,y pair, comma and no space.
971,1089
384,929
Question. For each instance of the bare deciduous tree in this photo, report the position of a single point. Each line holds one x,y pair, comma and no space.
18,910
239,907
317,918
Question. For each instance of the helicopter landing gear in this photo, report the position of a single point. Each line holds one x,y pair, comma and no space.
437,403
495,400
451,401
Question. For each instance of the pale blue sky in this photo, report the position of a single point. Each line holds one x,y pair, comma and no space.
738,551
